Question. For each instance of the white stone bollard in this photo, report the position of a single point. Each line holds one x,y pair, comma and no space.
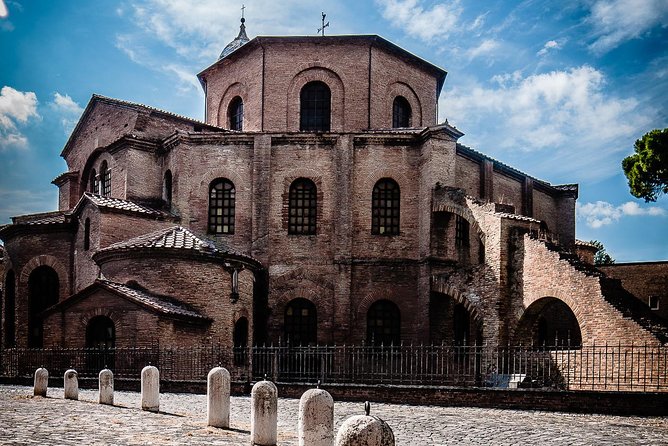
218,398
150,389
264,413
316,418
41,381
106,386
365,430
71,384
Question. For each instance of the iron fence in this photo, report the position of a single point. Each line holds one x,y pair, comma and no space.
592,367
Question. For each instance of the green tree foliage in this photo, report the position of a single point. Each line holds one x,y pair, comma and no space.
647,168
601,257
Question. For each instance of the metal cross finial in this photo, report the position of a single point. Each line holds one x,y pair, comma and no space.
324,25
243,7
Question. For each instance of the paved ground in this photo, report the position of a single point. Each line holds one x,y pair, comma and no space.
54,421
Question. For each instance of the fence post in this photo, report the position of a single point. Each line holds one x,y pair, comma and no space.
264,413
71,385
218,398
150,389
106,387
41,381
316,418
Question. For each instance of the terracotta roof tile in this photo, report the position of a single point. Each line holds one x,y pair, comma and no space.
123,205
41,219
159,303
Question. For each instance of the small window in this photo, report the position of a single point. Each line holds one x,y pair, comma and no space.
94,182
301,322
401,113
236,114
315,107
461,232
105,179
385,207
303,207
383,323
654,302
168,187
86,241
221,207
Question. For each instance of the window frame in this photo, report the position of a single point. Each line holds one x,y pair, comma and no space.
303,207
235,113
315,107
402,113
226,202
386,208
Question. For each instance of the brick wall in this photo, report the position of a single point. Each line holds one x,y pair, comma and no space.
643,279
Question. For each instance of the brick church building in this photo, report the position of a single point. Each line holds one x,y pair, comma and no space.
320,202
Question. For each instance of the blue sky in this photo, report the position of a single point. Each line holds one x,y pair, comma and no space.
560,90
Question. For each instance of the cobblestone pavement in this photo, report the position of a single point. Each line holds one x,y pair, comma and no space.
25,419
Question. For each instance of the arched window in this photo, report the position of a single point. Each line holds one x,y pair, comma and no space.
167,192
94,183
303,207
86,241
385,207
236,113
43,287
100,333
401,112
221,207
315,107
10,309
105,179
301,322
240,340
383,323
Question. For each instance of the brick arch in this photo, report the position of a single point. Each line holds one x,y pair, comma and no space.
466,214
405,90
459,297
549,292
242,189
319,296
336,87
365,192
236,89
86,317
93,162
51,261
387,293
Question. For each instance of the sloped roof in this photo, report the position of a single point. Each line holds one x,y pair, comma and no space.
176,238
119,204
47,218
165,305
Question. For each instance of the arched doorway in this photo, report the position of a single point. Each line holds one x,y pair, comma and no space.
383,323
240,340
549,322
451,323
101,340
300,322
43,289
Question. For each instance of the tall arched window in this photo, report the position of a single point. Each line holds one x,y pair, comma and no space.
94,183
236,113
86,240
167,192
240,340
383,323
401,112
303,207
43,287
105,179
385,207
221,207
301,322
10,309
315,107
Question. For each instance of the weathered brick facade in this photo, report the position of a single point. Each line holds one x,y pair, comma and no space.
480,253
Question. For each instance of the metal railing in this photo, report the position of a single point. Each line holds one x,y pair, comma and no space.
592,367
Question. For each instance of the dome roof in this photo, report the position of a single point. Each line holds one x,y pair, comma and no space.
237,43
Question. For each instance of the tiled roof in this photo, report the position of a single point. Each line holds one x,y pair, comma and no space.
123,205
175,237
41,219
159,303
583,243
516,217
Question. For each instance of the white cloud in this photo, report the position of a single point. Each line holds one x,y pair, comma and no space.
437,22
549,45
486,47
602,213
68,109
616,21
16,107
568,112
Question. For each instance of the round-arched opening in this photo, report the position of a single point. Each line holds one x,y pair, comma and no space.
315,108
167,188
301,322
43,292
240,340
549,322
101,333
235,113
401,112
383,323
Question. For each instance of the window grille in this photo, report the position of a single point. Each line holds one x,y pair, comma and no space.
461,232
315,107
303,207
385,207
221,207
401,113
236,114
